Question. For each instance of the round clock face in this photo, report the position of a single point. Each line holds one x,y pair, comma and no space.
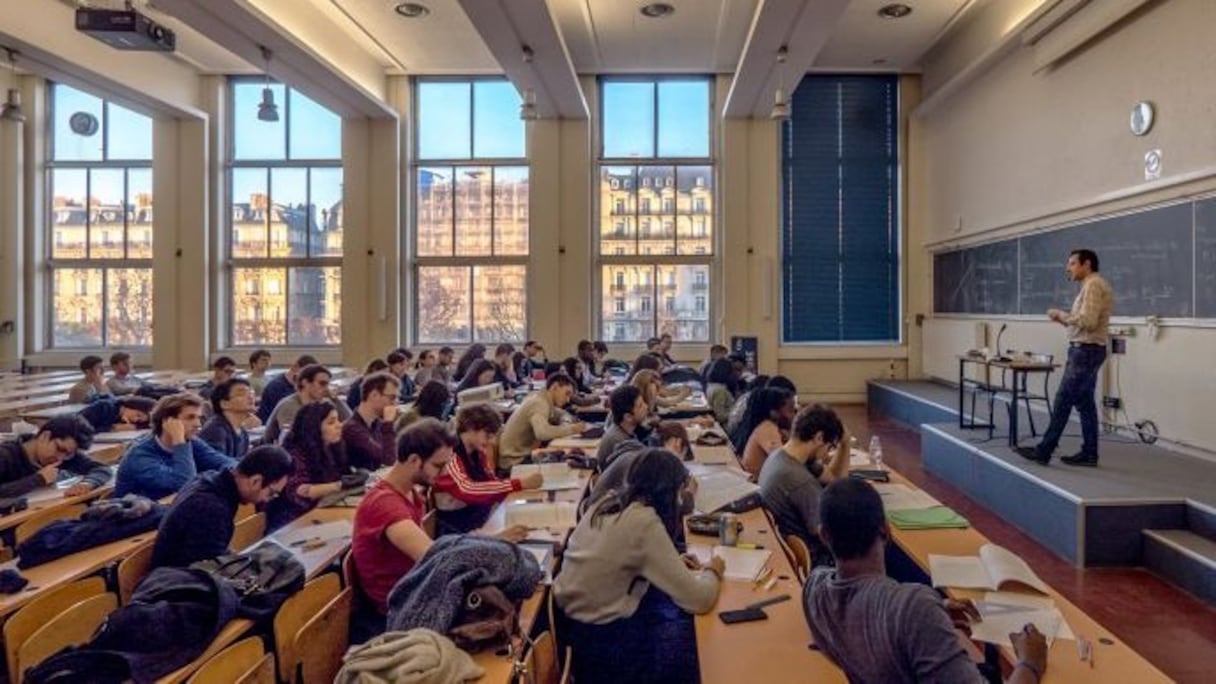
1142,118
83,123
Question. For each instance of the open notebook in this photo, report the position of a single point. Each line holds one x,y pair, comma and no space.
557,475
559,515
721,486
995,568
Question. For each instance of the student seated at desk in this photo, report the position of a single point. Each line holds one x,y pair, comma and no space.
504,367
354,395
764,427
537,420
583,395
123,414
399,361
625,592
201,521
232,414
434,401
474,353
879,630
749,388
628,410
313,388
427,362
282,387
36,461
259,363
368,434
722,385
669,435
162,463
481,373
663,348
794,475
388,537
467,490
319,463
444,366
92,385
717,351
122,382
585,352
534,360
222,370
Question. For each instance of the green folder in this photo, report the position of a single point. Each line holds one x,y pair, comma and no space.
937,517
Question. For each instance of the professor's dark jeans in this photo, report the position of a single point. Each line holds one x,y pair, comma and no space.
1077,389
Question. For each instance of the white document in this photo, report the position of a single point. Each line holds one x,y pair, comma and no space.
742,564
719,455
901,497
326,532
720,487
1001,620
1011,600
555,515
993,569
557,476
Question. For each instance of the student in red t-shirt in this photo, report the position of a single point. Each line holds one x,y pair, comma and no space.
388,535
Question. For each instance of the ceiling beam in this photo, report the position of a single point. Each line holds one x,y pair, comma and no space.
804,27
507,26
242,28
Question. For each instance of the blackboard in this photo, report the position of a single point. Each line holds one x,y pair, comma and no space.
1159,261
1205,259
982,279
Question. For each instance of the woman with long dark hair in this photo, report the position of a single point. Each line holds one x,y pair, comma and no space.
765,426
721,388
319,458
480,374
467,490
625,592
434,401
475,352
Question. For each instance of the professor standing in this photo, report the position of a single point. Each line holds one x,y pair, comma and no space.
1087,341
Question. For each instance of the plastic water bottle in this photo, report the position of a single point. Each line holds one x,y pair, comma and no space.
876,452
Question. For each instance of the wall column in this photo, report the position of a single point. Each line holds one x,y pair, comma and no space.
12,215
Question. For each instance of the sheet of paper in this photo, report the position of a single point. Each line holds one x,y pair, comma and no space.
720,487
859,459
556,515
899,497
1001,621
742,564
966,572
557,476
329,531
719,455
1032,602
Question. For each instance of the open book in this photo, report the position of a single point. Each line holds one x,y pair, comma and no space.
557,515
557,475
720,487
995,568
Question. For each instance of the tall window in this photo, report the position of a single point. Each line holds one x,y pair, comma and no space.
841,225
656,203
100,219
471,223
285,219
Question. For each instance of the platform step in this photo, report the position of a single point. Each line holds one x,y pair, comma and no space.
1184,558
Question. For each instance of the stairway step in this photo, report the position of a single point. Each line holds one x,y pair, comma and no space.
1184,558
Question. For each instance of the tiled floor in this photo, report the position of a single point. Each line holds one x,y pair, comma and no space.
1171,628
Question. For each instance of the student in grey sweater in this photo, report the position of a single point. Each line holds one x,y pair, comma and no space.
625,593
628,409
879,630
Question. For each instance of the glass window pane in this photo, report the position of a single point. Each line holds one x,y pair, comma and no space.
473,210
249,214
128,134
77,307
628,291
684,118
289,212
259,306
129,307
500,303
628,119
253,138
444,120
315,306
68,213
443,304
679,312
656,213
618,203
511,210
695,204
434,211
78,135
139,213
326,201
316,132
498,132
106,213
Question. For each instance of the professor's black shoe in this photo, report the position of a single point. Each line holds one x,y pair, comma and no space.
1032,454
1084,460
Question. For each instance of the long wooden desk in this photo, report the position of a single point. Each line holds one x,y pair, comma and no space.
1113,662
49,498
68,569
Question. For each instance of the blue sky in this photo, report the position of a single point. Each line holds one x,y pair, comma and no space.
630,123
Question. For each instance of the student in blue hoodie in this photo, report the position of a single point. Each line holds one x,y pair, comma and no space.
109,414
161,463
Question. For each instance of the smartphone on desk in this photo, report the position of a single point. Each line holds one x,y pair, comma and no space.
730,617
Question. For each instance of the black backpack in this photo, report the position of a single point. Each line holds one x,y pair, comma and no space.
263,577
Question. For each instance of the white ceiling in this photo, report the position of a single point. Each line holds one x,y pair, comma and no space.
443,42
861,37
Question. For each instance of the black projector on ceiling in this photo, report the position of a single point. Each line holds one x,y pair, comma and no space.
125,30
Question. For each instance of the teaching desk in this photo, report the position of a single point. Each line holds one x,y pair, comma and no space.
1114,662
1021,368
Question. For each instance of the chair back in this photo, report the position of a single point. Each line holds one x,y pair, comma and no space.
41,519
542,665
245,662
322,640
802,555
248,531
41,610
72,627
295,612
132,570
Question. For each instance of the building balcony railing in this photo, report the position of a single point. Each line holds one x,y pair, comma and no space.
700,287
618,287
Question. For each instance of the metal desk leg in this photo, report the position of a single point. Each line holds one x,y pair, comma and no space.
962,364
1013,410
